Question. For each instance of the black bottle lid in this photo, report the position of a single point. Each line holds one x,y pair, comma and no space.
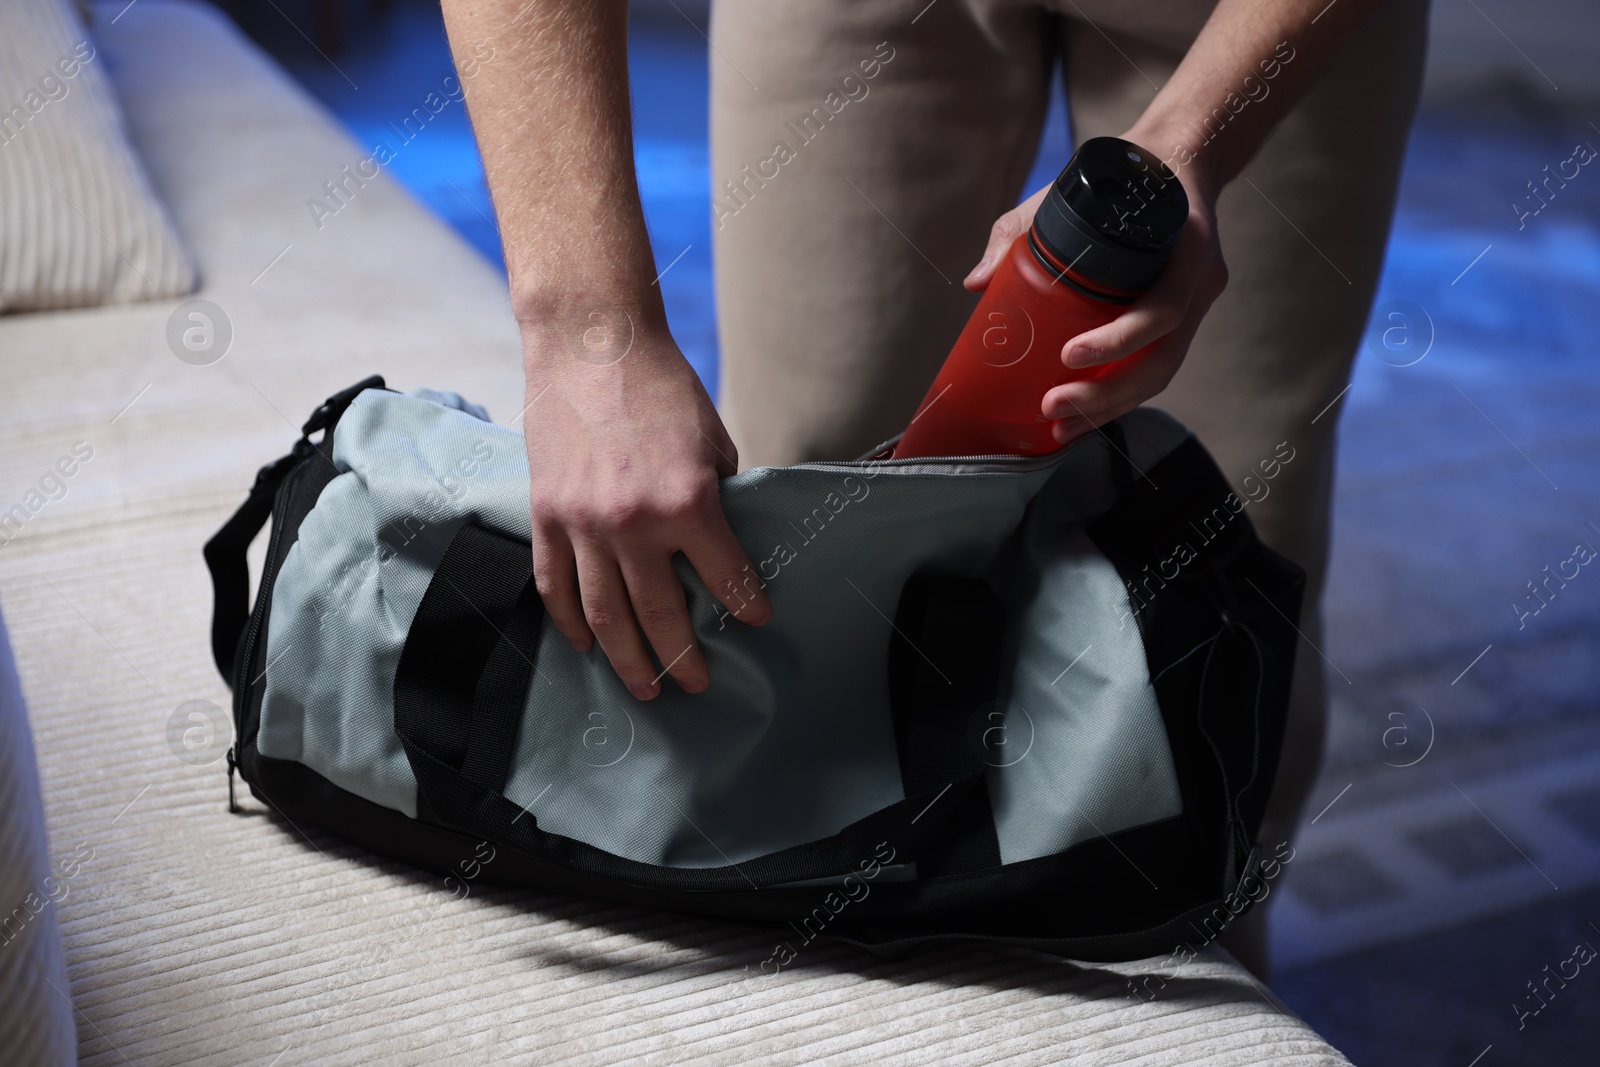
1113,214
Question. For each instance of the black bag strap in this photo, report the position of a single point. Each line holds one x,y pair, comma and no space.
462,682
230,573
464,674
941,712
225,552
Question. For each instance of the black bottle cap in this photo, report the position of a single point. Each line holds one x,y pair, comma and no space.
1113,214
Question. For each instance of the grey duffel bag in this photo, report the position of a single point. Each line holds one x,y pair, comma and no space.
1029,700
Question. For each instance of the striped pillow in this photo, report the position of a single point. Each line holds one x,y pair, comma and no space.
79,222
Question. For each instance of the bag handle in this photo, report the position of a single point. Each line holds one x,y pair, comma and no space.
225,552
461,686
230,573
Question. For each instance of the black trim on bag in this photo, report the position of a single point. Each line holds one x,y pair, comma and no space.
1218,638
1081,903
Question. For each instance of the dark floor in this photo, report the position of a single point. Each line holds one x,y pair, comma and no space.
1442,999
1428,894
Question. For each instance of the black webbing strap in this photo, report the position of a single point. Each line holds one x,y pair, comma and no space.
469,656
230,573
942,692
461,686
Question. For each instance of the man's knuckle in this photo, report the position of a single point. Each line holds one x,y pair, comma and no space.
603,618
628,516
1164,318
656,616
610,513
686,501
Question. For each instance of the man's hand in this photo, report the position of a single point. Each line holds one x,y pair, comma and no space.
1252,61
624,453
1143,347
624,447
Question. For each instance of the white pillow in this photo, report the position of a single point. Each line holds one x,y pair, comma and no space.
79,223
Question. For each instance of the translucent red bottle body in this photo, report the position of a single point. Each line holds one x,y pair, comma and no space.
988,397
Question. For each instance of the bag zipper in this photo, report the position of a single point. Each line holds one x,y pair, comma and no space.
991,463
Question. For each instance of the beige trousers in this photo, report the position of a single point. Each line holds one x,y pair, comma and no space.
859,158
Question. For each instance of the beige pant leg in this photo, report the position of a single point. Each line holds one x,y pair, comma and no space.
839,271
1303,231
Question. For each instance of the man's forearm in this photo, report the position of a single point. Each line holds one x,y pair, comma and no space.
551,111
1251,63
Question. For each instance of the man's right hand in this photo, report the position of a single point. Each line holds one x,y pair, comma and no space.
624,446
624,454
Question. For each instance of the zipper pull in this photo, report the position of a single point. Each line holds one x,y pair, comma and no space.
233,806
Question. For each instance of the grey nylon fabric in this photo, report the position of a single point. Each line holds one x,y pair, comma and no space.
793,740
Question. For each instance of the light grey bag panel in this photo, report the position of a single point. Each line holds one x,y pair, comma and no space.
792,742
1080,749
1085,751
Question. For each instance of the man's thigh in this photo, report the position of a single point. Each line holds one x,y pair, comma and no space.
1303,231
858,160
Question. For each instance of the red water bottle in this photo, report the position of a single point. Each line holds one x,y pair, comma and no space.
1101,236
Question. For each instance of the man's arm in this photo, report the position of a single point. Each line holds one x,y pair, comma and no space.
1198,124
624,446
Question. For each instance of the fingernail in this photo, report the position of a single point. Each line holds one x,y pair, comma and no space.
579,646
643,692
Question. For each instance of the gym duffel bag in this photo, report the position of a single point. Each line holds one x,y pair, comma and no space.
1032,700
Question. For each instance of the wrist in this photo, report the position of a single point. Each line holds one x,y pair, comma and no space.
545,306
1184,151
595,326
582,331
